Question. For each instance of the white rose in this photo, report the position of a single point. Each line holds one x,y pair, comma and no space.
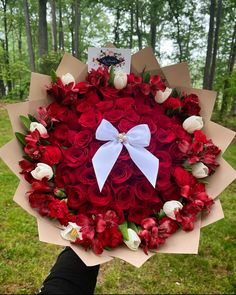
199,170
193,123
67,78
134,240
42,170
120,80
71,232
169,208
41,129
161,96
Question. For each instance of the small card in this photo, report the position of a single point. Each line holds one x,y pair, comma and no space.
120,58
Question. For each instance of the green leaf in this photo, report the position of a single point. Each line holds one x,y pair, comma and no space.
161,214
124,230
60,193
20,137
112,76
32,118
146,77
175,93
53,76
25,121
187,166
28,158
133,226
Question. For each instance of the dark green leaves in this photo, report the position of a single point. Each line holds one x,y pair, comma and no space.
20,137
53,76
124,230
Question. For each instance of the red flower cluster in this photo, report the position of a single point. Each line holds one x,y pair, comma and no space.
71,121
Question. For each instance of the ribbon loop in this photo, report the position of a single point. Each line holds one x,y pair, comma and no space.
135,141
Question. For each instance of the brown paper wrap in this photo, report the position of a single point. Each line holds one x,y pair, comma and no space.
176,76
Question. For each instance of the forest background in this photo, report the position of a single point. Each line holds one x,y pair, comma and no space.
34,34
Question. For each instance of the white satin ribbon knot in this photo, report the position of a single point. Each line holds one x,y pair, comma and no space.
135,141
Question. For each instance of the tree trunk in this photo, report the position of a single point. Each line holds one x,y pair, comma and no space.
131,24
71,27
231,62
138,30
209,46
42,30
61,33
29,36
6,47
117,27
77,26
215,48
54,25
153,24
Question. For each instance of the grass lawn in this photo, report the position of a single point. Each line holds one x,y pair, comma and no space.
24,261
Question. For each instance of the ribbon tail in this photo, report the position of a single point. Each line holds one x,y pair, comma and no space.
104,159
145,161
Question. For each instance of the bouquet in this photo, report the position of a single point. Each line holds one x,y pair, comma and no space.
116,164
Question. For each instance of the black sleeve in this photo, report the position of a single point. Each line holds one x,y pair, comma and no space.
70,275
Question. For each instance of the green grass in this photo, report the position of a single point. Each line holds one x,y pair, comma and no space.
25,262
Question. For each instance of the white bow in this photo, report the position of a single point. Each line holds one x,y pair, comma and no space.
135,140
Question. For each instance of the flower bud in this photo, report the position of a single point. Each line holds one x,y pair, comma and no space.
134,240
199,170
120,80
170,207
193,123
161,96
42,170
41,129
67,79
71,232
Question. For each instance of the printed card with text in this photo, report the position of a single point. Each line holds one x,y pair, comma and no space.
120,58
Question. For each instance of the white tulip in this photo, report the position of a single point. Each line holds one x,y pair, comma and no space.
169,208
161,96
134,240
67,78
120,80
42,170
71,232
199,170
41,129
193,123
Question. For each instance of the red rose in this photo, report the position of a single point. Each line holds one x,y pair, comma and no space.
151,124
144,190
114,115
98,198
172,103
82,87
65,175
51,154
144,88
171,193
183,177
120,172
200,136
59,135
57,111
191,105
165,160
76,195
156,83
80,139
165,136
103,106
125,197
26,166
137,214
83,106
132,115
163,179
109,93
125,125
91,119
87,175
74,157
124,103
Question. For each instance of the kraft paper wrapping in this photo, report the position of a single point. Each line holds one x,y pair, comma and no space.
176,76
